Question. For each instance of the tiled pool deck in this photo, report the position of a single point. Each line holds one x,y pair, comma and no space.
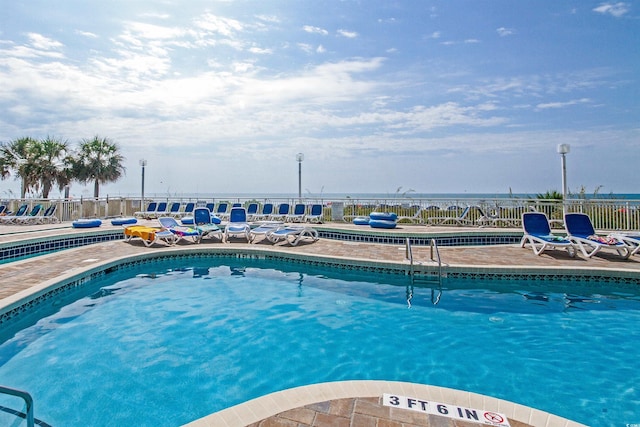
353,403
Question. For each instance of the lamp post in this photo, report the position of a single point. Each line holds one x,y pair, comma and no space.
143,163
299,159
563,149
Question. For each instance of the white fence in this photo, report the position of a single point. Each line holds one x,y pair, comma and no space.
606,214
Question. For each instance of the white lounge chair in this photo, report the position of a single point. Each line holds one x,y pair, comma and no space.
147,213
537,233
169,223
315,214
292,234
298,213
581,232
283,212
632,240
237,225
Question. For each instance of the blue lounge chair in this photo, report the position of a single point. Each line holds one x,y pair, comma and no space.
174,209
265,213
147,213
33,217
252,211
202,223
298,213
237,225
161,210
11,218
315,215
169,223
537,233
283,211
222,211
581,232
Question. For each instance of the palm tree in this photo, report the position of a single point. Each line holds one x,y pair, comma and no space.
100,161
20,158
53,166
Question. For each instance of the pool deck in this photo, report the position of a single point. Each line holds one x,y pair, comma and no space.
351,403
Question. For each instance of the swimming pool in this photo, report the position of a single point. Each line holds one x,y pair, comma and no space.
167,342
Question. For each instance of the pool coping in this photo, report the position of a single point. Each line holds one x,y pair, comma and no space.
263,407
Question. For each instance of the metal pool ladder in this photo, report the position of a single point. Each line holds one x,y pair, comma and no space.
435,257
27,399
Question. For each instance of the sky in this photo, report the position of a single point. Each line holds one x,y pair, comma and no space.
380,96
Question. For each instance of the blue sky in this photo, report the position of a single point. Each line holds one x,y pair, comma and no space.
433,96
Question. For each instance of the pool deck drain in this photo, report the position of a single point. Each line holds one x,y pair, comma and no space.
332,407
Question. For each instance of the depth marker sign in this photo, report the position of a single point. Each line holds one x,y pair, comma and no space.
445,410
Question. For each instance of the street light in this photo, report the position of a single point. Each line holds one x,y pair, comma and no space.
143,163
563,149
299,159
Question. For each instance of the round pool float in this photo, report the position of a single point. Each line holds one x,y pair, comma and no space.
86,223
187,220
382,223
124,221
361,220
215,219
383,216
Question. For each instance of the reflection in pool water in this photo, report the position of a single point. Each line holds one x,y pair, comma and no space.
170,342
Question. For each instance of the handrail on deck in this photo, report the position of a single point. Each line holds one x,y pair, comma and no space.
27,399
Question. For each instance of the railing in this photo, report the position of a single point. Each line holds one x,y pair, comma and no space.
606,214
27,399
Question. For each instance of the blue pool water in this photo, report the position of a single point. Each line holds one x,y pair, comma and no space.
166,343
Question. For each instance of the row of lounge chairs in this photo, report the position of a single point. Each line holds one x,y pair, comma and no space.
267,212
23,216
238,226
580,235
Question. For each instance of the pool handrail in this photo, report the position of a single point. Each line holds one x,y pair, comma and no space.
27,399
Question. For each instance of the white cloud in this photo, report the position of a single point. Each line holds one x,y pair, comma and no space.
562,104
315,30
614,9
348,34
39,41
504,32
86,34
320,49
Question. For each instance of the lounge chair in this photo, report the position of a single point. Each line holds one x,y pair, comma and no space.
537,233
263,229
632,240
174,209
298,213
150,211
169,223
237,225
188,210
448,219
10,219
149,235
252,211
49,215
160,211
202,223
315,214
30,218
281,215
3,209
580,231
222,211
265,213
292,234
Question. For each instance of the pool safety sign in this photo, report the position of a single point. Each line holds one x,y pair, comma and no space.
445,410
